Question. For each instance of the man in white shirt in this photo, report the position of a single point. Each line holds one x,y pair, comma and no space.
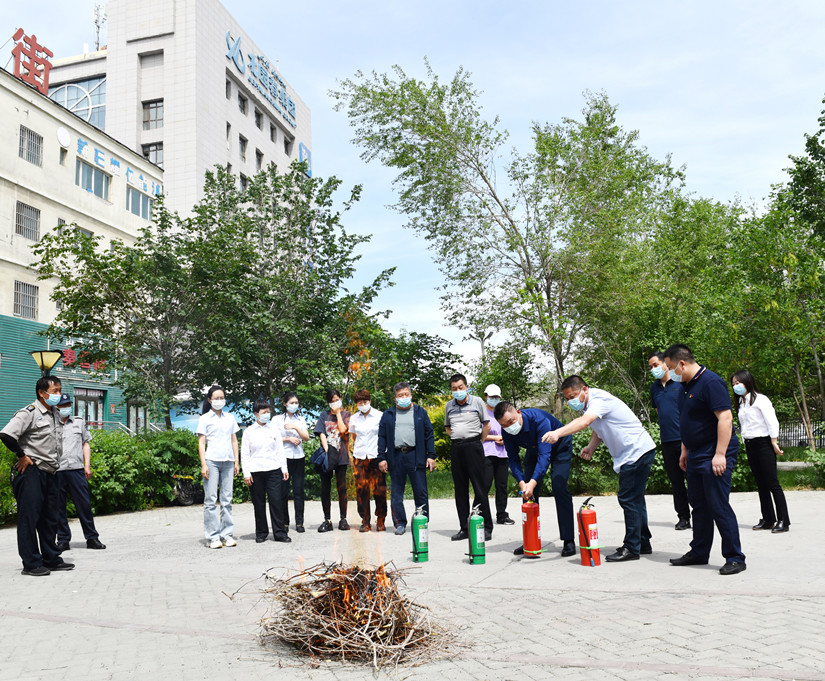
631,447
369,479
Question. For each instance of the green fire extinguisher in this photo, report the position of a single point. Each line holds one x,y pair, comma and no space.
420,538
475,535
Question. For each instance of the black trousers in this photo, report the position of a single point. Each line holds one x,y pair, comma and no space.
297,474
496,469
36,495
671,452
340,473
467,463
74,482
762,460
370,482
560,462
267,486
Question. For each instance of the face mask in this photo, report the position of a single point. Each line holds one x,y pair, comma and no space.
740,389
65,411
264,418
364,408
657,372
335,405
513,429
403,402
460,394
576,404
53,399
674,376
292,408
493,401
218,404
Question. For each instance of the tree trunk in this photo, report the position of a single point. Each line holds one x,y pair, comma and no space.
819,378
806,418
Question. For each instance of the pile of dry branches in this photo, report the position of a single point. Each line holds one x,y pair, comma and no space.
352,614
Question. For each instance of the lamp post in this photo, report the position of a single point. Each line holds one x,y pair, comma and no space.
46,359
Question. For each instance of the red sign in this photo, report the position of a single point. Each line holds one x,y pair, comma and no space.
30,61
111,409
69,357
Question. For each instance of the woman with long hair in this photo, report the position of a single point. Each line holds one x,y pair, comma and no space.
760,430
294,432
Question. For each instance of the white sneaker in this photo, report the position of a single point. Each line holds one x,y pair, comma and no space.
230,541
215,544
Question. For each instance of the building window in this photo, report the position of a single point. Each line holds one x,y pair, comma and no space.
229,89
86,98
259,159
138,203
288,146
153,114
154,153
242,147
27,221
273,133
92,179
25,300
228,131
242,103
31,146
259,120
244,182
229,168
63,154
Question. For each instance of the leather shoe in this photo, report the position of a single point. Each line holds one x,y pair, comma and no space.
781,526
569,549
284,538
63,546
458,536
519,551
260,540
379,526
622,554
365,527
488,535
732,568
343,524
506,521
689,558
763,525
299,528
60,566
646,549
683,524
95,544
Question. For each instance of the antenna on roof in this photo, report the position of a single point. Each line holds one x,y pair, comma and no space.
99,18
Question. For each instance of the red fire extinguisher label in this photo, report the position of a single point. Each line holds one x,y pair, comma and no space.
593,536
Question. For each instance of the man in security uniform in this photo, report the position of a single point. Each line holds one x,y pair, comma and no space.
35,435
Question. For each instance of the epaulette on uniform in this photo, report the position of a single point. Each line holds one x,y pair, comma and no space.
30,407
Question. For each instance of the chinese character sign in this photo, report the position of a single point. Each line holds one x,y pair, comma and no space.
31,63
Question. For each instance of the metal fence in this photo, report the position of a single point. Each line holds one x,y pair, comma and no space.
795,435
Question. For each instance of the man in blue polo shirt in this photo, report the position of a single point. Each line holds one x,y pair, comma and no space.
524,428
709,452
666,396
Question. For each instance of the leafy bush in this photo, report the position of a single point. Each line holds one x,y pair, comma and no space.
8,505
122,473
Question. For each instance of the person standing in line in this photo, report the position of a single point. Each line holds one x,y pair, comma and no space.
496,468
294,432
332,428
218,450
73,477
710,449
265,470
369,479
35,436
760,430
667,396
467,424
406,447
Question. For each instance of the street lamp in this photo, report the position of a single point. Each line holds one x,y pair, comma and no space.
46,359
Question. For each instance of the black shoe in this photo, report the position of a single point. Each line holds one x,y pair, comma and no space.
622,554
488,535
343,524
569,549
60,567
764,525
95,544
260,540
300,528
683,524
507,520
689,558
781,526
325,526
284,538
458,536
732,568
39,571
646,549
519,551
62,546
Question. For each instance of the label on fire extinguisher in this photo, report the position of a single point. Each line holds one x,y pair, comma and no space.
480,535
593,536
422,536
523,518
538,528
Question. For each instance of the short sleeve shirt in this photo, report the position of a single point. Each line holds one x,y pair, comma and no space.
218,431
328,424
705,394
39,431
667,400
465,420
75,435
365,429
618,427
291,450
494,448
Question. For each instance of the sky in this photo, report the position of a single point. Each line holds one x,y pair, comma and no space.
728,89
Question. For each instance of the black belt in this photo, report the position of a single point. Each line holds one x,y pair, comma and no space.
462,440
404,450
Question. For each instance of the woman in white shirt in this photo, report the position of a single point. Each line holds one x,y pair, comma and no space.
294,432
264,470
760,430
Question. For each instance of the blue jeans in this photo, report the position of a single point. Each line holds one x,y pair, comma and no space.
221,474
405,467
632,483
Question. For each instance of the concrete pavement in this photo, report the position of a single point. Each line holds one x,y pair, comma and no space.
155,604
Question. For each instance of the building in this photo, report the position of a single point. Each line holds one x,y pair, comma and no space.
58,169
184,85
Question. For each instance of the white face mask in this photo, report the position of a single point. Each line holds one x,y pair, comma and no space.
335,405
364,408
65,411
513,428
218,404
264,417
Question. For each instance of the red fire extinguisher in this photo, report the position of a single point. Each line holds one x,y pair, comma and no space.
531,529
588,535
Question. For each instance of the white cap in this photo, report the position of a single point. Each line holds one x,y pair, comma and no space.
492,389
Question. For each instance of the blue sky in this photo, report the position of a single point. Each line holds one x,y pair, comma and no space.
727,88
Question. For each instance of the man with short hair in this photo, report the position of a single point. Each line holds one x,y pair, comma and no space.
73,478
35,436
406,447
667,396
631,447
369,479
467,424
525,428
709,452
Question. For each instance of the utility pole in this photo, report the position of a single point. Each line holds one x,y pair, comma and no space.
99,19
